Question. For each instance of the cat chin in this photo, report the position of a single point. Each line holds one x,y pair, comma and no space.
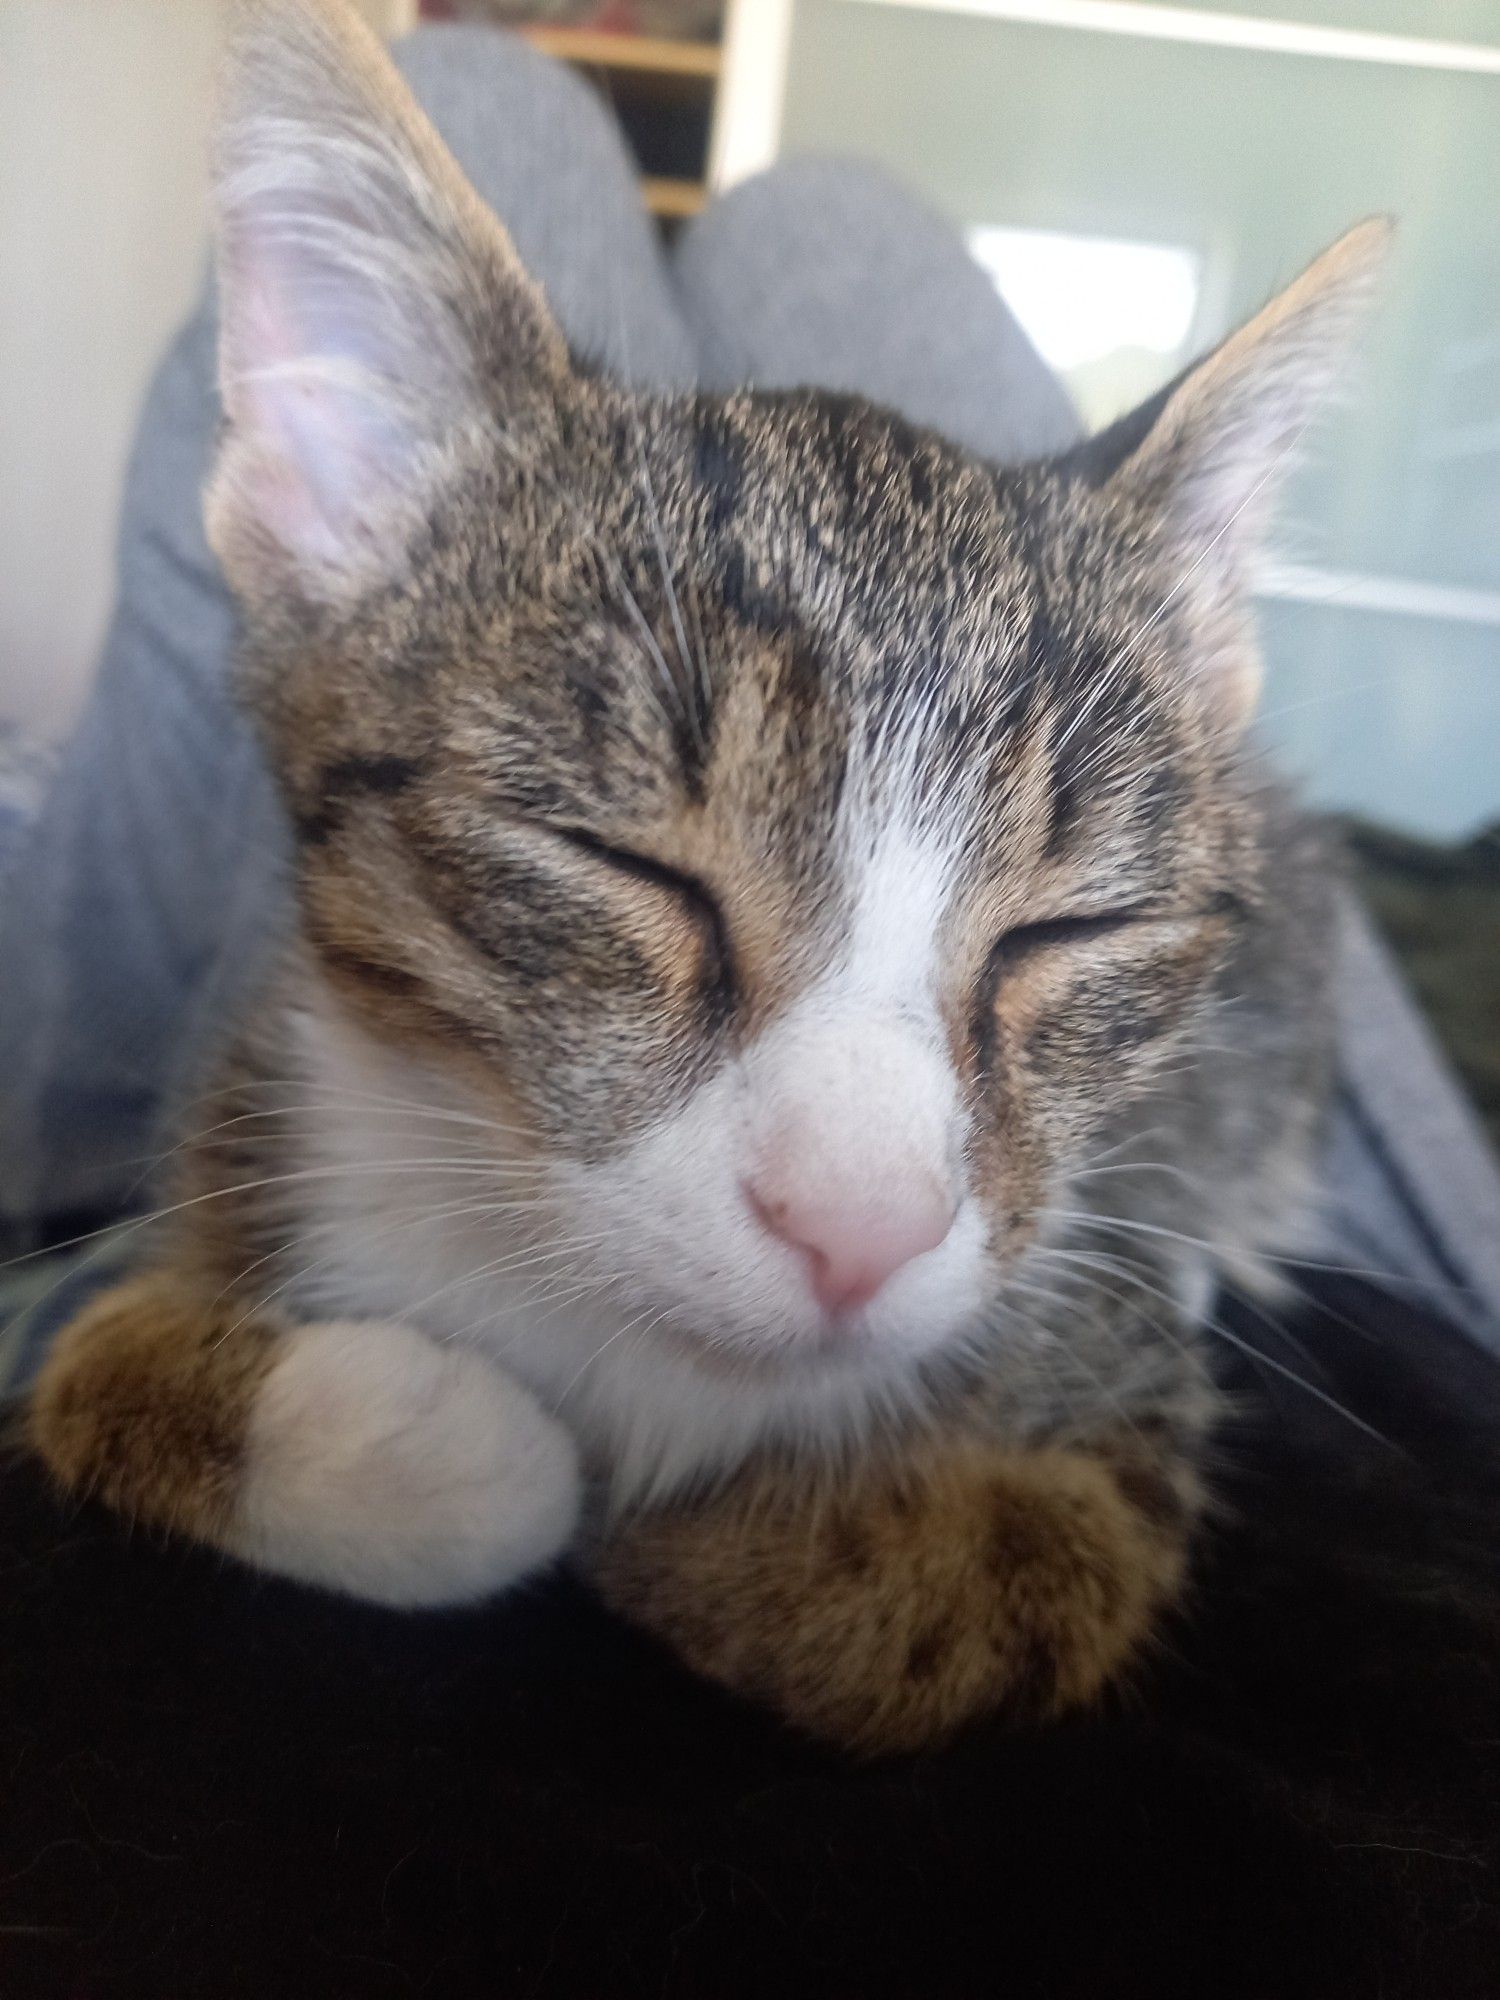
618,1353
678,1418
790,1354
833,1354
676,1410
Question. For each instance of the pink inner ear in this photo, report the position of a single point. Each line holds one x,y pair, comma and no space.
324,450
1230,494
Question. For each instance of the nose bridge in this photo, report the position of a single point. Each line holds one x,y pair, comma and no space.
854,1170
860,1111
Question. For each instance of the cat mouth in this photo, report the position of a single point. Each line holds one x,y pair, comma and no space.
839,1346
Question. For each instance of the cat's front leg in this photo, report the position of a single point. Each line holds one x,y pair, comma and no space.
352,1454
889,1610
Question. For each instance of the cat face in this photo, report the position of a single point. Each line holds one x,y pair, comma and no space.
804,842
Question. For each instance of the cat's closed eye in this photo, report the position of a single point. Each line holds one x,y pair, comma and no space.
1039,975
690,894
1025,939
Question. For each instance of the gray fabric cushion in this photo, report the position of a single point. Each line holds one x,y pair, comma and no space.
25,770
827,273
1411,1191
150,858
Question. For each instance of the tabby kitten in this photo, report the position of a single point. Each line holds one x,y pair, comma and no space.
800,990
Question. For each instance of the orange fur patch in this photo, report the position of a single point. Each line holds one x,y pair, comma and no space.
890,1611
145,1401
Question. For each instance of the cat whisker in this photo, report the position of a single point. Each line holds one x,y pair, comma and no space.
1134,1275
450,1212
109,1233
1336,1268
1133,645
508,1266
652,645
644,1321
341,1093
1052,1300
1132,1168
1261,1359
700,654
542,1302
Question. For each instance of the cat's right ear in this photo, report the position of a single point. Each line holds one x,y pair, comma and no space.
375,321
1207,455
1213,447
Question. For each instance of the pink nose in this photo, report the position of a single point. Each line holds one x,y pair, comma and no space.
853,1248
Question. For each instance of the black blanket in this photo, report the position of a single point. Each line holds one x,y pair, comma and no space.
217,1786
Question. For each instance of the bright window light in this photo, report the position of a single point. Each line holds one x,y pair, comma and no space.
1084,298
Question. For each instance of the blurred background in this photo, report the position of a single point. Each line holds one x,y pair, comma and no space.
1135,178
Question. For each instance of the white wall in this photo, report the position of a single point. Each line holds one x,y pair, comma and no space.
103,130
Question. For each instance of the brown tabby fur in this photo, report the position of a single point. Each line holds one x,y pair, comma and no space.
144,1402
887,1609
461,741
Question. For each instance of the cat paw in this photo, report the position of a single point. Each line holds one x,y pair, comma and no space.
400,1471
976,1581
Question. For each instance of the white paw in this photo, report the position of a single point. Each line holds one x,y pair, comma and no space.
413,1474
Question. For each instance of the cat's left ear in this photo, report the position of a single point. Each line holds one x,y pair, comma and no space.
374,318
1210,452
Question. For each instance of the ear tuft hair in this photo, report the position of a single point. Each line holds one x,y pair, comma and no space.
373,312
1220,441
1209,452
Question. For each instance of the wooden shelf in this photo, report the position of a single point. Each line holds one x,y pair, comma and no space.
649,73
633,55
673,200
